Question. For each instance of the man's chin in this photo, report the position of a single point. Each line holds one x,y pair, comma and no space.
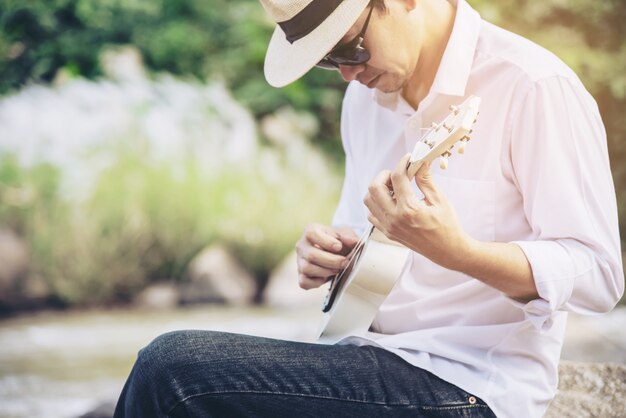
386,88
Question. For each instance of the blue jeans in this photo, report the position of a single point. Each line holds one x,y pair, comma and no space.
216,374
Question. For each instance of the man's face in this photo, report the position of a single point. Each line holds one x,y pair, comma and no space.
390,39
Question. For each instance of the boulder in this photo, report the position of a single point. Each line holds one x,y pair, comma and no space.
14,262
590,390
105,409
123,63
216,276
158,296
283,291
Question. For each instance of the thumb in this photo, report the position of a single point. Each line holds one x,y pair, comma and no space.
424,181
347,236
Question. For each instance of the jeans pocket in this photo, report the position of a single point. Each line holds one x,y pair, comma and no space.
469,407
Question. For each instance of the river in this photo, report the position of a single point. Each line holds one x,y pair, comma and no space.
63,364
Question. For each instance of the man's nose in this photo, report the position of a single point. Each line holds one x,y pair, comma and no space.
350,72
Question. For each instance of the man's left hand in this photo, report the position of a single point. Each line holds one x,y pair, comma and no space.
428,226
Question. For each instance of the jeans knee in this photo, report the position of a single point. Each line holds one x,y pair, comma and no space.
160,354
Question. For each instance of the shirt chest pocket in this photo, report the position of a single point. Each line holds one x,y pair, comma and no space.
473,202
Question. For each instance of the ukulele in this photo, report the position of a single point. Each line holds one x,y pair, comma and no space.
376,262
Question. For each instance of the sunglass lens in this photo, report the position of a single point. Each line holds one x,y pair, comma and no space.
353,56
327,64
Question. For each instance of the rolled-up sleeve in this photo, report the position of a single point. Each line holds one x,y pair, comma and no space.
561,167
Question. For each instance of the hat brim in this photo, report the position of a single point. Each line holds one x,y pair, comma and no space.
286,62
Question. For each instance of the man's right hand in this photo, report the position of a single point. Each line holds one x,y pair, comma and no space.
322,253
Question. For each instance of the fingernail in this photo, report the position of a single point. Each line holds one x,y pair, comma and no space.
337,246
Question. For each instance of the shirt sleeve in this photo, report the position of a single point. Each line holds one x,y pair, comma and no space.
350,210
561,167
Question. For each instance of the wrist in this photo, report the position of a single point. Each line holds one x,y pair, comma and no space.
465,255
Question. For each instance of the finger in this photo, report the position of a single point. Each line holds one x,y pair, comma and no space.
400,183
312,270
374,209
306,282
379,192
348,238
323,237
374,221
325,259
424,181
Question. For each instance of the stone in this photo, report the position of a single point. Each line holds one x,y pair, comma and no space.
105,409
286,126
590,390
216,276
158,296
283,291
14,262
123,63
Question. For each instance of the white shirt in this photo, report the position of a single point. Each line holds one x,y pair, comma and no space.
535,173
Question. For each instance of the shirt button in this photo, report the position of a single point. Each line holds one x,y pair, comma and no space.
415,124
472,400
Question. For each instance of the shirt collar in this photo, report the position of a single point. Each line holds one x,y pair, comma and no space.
456,63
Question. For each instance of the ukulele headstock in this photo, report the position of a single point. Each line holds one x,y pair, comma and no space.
439,141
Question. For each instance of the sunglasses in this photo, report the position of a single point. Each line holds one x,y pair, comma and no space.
351,53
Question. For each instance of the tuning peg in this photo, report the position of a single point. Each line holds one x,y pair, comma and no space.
454,109
435,126
462,144
449,128
443,161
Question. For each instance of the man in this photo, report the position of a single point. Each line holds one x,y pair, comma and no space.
516,233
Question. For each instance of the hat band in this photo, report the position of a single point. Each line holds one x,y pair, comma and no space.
308,19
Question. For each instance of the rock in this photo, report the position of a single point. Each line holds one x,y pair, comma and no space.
14,262
216,276
282,289
123,63
286,126
158,296
590,390
105,409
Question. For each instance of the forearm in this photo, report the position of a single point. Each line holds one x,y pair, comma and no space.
500,265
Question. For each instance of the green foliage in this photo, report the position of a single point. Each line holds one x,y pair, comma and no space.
143,222
27,194
206,39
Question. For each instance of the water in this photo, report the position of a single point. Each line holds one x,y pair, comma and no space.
61,365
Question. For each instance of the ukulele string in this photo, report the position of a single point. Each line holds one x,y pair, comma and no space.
408,163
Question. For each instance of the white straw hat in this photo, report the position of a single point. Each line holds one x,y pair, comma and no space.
313,27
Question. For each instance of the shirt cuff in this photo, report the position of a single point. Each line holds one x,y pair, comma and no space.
554,273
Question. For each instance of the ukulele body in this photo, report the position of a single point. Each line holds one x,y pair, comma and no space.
373,273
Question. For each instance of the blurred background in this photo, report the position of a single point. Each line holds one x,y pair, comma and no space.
151,180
